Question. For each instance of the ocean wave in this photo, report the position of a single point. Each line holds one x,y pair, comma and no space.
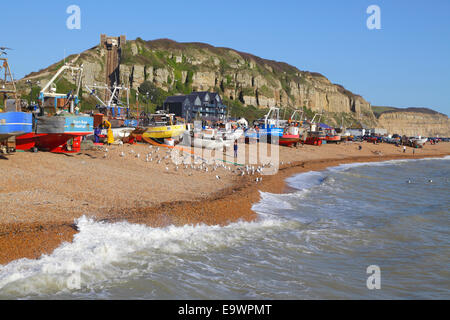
107,252
311,179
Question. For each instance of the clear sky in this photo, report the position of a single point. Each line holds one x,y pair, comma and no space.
405,64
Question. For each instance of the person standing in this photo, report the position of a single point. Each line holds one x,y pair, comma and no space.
235,149
404,149
97,132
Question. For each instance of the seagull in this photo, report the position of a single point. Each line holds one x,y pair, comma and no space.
105,155
138,155
122,154
167,168
106,149
409,181
217,177
430,181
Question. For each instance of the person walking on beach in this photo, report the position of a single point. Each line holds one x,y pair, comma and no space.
235,149
404,149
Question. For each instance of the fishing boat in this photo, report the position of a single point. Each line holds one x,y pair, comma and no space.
290,137
316,134
160,126
418,142
113,111
58,126
293,133
227,131
13,122
331,136
208,139
269,129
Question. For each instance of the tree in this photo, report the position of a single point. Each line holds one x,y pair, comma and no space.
155,94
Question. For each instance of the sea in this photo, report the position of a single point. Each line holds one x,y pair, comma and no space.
355,231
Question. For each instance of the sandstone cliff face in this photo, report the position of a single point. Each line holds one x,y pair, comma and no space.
416,123
237,76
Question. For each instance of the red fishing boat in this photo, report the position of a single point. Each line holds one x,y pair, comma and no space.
331,136
57,126
293,133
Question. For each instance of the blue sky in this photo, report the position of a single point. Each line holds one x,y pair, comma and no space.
405,64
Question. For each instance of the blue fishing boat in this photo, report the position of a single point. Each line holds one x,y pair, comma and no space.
270,128
15,124
59,127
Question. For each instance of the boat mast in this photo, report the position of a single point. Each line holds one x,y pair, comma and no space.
7,84
49,90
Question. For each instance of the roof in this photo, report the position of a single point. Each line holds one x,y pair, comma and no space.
192,97
323,125
202,94
174,99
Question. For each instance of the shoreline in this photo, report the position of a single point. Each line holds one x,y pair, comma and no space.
231,204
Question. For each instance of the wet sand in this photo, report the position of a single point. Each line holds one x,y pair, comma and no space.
42,194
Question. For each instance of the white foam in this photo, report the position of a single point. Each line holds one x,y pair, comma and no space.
108,252
306,180
380,163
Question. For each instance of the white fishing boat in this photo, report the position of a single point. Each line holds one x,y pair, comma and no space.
119,133
207,138
231,134
418,141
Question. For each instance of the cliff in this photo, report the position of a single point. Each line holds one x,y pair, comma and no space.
413,121
245,80
239,77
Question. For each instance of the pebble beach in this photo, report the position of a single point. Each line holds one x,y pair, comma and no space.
43,194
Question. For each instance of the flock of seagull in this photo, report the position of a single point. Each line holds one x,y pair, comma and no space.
184,162
201,164
409,181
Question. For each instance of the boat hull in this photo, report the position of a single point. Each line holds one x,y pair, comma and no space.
164,132
314,141
333,139
15,124
289,140
57,134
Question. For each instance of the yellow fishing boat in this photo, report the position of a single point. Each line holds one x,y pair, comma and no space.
163,132
160,126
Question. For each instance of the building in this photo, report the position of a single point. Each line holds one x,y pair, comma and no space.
203,105
367,131
379,132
